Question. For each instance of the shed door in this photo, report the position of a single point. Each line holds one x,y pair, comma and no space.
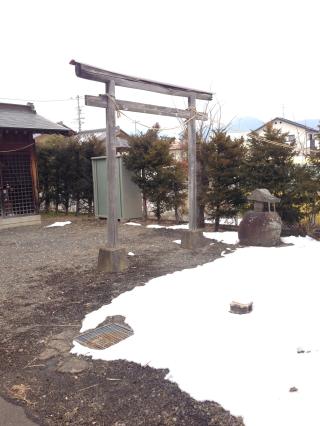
16,188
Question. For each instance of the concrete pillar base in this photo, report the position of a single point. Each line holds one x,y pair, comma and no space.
193,239
112,259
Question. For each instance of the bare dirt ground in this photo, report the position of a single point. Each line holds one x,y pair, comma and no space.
48,283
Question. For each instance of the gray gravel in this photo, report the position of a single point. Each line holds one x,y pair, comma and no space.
48,283
31,252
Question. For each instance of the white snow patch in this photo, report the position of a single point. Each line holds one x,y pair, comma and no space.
228,237
247,363
183,226
301,241
209,221
133,223
131,254
225,221
177,241
68,222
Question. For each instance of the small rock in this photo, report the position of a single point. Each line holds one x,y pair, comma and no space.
47,354
72,366
64,335
59,345
293,389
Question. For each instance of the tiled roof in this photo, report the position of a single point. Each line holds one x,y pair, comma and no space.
24,117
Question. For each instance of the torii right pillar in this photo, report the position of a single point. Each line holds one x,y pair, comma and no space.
193,237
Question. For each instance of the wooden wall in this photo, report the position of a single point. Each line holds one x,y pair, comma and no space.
11,140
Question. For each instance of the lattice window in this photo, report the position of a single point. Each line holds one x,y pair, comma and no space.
16,189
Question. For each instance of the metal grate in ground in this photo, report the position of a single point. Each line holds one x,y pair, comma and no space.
105,336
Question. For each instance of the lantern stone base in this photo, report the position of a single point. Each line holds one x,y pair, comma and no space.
193,239
112,259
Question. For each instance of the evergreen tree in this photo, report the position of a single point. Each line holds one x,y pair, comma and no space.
51,169
44,155
312,185
153,168
306,192
202,176
89,148
158,190
177,188
136,160
224,163
270,165
65,171
68,165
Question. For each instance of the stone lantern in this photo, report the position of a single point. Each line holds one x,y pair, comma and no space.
262,226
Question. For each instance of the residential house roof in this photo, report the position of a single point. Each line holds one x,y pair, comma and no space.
25,117
121,136
103,130
285,120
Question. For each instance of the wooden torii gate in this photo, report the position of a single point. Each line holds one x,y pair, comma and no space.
112,258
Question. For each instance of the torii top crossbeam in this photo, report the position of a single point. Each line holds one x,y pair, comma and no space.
96,74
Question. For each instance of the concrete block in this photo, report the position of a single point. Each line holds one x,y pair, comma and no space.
241,308
112,259
193,239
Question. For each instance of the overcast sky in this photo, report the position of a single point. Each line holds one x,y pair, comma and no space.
259,57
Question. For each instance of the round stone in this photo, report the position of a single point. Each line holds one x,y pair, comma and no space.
260,229
47,354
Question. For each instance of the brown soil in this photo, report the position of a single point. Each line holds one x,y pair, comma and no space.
48,284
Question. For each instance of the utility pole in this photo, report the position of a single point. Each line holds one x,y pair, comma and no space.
79,114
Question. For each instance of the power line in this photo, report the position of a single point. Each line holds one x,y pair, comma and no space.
42,100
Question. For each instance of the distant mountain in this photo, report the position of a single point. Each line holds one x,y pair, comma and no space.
244,124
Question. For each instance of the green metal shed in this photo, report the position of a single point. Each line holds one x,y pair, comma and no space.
129,195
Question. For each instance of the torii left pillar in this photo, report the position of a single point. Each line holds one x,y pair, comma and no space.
112,257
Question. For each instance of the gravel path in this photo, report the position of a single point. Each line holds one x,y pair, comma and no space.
48,283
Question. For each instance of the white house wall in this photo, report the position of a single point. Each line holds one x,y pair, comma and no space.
301,135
